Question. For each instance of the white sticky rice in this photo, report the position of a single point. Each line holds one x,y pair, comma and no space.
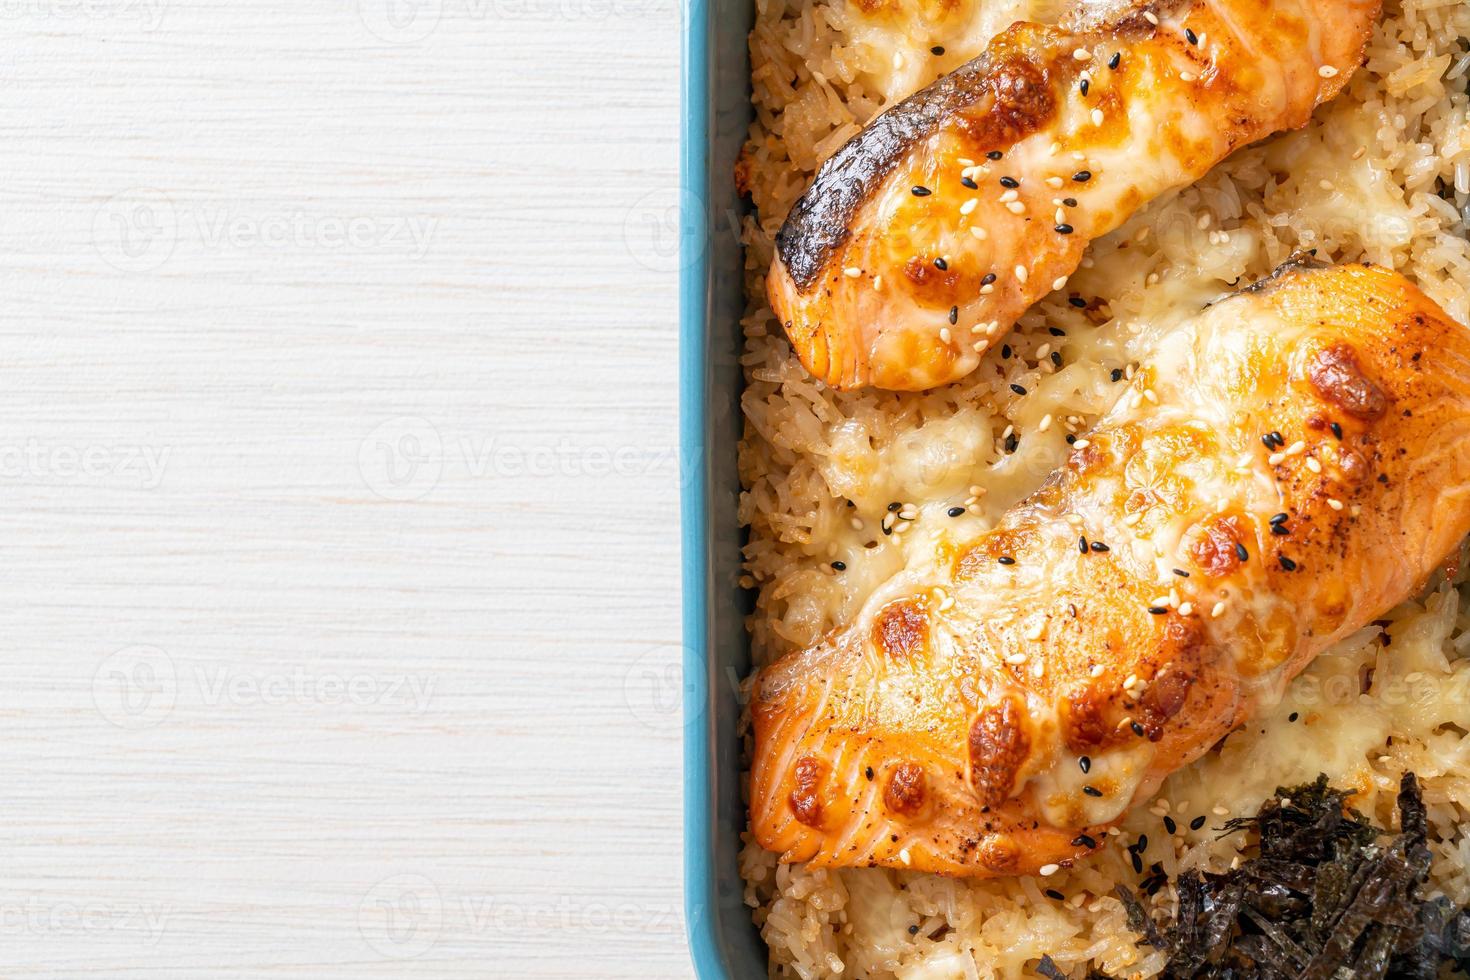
1382,173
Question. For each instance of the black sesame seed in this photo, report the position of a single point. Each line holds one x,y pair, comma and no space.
955,511
1071,438
988,279
1056,331
1018,389
1137,729
1281,518
1191,36
969,182
1083,86
995,154
1137,863
1293,716
1012,441
1280,530
1197,823
1082,176
913,930
1054,895
1082,840
1085,764
940,264
868,772
937,49
1063,229
1098,546
1006,560
896,505
1070,202
1142,844
1241,553
1082,545
1078,302
919,190
1092,791
1286,563
1268,441
1009,182
1056,358
839,566
1181,573
1170,825
1116,59
1157,610
1278,437
954,315
1336,429
1117,374
1005,352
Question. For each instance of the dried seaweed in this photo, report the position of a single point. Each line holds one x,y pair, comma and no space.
1327,897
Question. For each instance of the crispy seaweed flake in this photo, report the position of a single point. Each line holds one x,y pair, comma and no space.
1326,896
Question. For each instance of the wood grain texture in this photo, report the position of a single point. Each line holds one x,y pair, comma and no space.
337,451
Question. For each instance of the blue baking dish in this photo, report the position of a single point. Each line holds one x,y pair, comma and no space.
716,98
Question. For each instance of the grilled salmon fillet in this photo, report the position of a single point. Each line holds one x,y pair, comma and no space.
922,240
1294,462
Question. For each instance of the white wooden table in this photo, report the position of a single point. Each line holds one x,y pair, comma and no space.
337,457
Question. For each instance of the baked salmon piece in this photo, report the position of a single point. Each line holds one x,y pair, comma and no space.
1292,463
924,238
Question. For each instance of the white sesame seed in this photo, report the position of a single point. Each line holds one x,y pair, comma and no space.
980,233
1010,195
1218,611
1058,282
1204,221
1047,870
1276,459
1034,633
1054,182
987,289
1038,668
1360,152
1149,394
1043,350
857,523
1021,273
965,161
877,283
852,272
1132,519
1081,444
898,59
1016,207
946,604
1044,424
1159,600
1326,185
969,206
1327,71
1313,465
1061,215
1097,670
903,855
944,334
1185,76
1149,16
1082,54
1297,447
1097,117
1130,682
1007,433
1016,659
976,489
1221,811
1334,503
1186,609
